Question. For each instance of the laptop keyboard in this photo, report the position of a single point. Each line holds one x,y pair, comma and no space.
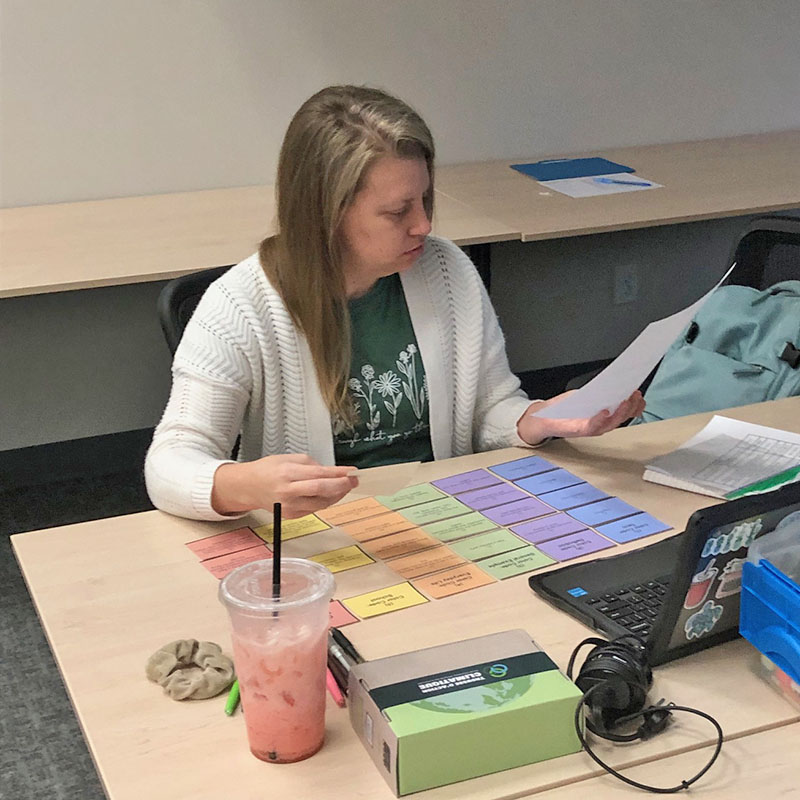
634,607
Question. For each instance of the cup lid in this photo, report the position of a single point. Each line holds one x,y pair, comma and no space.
249,587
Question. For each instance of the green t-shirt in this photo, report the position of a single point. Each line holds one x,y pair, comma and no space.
387,383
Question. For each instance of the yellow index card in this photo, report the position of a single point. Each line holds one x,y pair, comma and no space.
382,601
292,528
343,558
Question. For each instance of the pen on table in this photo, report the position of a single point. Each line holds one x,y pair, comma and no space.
346,645
623,183
233,698
333,688
764,485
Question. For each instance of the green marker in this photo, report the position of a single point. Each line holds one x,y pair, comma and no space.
233,698
765,485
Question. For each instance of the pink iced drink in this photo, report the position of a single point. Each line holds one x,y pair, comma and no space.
282,687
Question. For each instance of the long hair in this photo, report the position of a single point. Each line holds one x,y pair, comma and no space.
331,143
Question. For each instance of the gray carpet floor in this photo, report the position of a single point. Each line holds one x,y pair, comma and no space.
43,755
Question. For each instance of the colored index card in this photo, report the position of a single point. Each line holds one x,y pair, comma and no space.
418,564
630,528
431,512
548,481
578,495
479,499
516,562
382,601
453,581
339,615
510,513
464,482
224,543
400,544
487,544
603,511
544,528
349,512
411,496
363,530
574,545
521,467
292,528
343,558
220,566
459,527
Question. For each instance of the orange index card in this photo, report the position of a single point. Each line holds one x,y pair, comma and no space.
292,528
349,512
453,581
343,558
400,544
220,566
418,564
224,543
371,528
339,615
382,601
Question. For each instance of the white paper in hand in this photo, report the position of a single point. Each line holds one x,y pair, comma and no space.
616,382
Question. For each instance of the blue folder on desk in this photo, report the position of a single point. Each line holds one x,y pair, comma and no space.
558,168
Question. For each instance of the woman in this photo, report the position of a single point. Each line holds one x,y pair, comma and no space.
352,338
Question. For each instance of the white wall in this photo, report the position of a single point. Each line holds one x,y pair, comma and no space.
104,98
107,98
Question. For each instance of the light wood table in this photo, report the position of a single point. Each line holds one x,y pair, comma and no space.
701,180
111,592
67,246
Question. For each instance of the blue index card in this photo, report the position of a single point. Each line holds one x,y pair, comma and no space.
573,496
558,168
603,511
548,481
630,528
530,465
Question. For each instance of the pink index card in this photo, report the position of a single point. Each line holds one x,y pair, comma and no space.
224,543
220,566
339,615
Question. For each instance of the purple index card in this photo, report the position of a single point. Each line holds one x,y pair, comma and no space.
540,530
603,511
492,496
630,528
474,479
578,495
548,481
530,465
574,545
518,511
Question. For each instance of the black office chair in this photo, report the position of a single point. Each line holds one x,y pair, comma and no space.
179,299
768,251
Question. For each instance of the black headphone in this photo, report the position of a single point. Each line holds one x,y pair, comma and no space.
615,677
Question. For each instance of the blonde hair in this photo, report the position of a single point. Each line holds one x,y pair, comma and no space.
331,143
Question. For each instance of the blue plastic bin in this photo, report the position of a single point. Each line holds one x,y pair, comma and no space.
770,615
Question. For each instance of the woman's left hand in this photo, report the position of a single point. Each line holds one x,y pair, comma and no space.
535,429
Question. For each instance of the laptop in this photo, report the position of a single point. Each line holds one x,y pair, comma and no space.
681,594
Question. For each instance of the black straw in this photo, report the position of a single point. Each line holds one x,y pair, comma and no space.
276,550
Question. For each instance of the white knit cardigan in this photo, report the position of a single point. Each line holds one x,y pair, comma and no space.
243,367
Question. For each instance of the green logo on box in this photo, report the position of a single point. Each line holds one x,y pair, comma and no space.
498,670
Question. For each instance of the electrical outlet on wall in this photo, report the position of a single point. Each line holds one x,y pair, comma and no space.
626,283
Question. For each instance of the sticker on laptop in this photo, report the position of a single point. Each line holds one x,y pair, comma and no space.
730,582
702,622
577,591
700,586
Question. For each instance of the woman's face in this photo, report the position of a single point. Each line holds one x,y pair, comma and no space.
384,229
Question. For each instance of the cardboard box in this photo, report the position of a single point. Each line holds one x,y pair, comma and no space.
456,711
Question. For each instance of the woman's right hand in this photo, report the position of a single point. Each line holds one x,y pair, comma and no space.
299,483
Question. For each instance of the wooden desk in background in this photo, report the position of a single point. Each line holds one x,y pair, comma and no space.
111,592
701,180
64,246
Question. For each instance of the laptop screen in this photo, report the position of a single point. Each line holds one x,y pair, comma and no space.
711,603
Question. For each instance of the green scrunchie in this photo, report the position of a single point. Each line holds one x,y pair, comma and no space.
190,670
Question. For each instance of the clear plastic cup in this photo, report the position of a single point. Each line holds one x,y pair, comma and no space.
280,654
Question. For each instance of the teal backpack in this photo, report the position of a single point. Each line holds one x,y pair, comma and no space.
743,346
